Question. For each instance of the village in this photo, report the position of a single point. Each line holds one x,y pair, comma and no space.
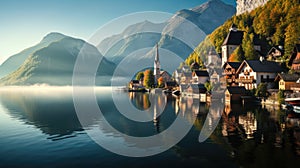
264,80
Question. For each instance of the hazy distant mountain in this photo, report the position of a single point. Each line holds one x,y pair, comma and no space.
54,63
132,38
15,61
207,17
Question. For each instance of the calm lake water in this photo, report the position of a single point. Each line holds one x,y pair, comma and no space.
41,129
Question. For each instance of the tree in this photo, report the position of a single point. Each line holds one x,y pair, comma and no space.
237,55
148,78
248,46
140,75
160,82
208,86
261,90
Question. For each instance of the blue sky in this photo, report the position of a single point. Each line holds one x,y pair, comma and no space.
25,23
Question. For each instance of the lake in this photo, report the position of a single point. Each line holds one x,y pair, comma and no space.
40,128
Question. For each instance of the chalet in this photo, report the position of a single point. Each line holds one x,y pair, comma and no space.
186,77
135,85
232,41
275,54
253,72
230,69
200,76
294,61
233,94
286,81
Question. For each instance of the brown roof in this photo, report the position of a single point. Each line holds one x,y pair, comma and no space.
287,77
294,54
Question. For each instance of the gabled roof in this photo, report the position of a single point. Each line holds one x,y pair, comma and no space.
186,74
287,77
276,48
234,65
236,90
201,73
234,37
261,66
294,54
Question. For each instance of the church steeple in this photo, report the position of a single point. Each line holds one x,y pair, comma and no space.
156,65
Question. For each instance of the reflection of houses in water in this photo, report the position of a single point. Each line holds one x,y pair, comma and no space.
249,123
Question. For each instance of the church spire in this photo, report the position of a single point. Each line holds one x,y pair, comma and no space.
156,65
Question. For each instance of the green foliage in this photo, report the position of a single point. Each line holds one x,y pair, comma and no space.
276,23
237,55
280,96
139,76
261,90
208,86
148,78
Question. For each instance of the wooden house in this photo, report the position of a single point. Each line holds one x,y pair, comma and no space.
286,81
294,61
230,69
233,94
275,54
252,72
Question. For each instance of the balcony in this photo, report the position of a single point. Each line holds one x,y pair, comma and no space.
244,80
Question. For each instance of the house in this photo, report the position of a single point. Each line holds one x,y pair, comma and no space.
212,58
178,72
198,91
286,81
170,85
233,94
294,61
165,75
230,69
252,72
214,77
275,54
234,39
135,85
200,76
186,77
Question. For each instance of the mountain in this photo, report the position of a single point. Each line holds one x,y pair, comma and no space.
134,37
54,63
206,17
15,61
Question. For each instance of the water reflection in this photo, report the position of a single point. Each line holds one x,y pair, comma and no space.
248,136
52,113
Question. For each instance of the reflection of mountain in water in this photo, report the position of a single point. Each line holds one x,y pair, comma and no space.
54,115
